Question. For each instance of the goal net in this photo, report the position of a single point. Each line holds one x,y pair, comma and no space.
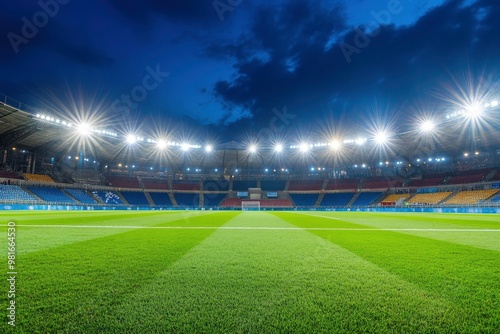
250,206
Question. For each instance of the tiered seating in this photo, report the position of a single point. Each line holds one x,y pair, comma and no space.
161,199
9,175
275,203
14,193
51,195
187,199
185,185
365,199
108,197
243,185
231,203
496,176
382,182
342,184
434,181
495,199
124,181
212,200
135,197
433,198
305,185
394,198
81,196
306,200
38,178
472,196
88,176
215,185
461,179
150,183
272,185
336,199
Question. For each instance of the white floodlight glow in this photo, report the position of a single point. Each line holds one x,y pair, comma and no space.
278,148
336,145
161,144
427,126
208,148
83,129
185,147
304,147
253,148
381,138
494,104
131,139
474,111
360,141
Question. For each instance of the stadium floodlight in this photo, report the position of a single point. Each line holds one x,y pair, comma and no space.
360,141
278,148
208,148
84,129
494,104
252,148
474,111
161,144
185,147
381,138
304,147
427,126
131,139
335,145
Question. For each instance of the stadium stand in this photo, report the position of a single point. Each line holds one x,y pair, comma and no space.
393,199
80,196
382,182
244,185
14,193
304,200
187,199
215,185
212,200
367,198
123,181
273,185
471,196
38,178
336,199
51,195
304,185
275,203
155,183
496,176
135,197
185,185
433,198
107,197
434,181
495,199
9,175
342,184
161,199
231,203
462,179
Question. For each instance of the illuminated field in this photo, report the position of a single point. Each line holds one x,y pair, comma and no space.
253,272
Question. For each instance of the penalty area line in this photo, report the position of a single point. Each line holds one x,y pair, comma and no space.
263,228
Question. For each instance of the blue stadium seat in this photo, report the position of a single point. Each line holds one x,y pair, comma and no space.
81,196
161,199
187,199
51,195
14,193
135,197
365,199
304,199
336,199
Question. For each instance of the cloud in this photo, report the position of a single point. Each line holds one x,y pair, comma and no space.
288,59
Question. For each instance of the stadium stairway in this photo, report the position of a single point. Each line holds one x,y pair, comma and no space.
490,175
320,198
148,196
32,193
122,198
353,199
70,196
173,200
450,196
286,187
96,198
323,187
141,184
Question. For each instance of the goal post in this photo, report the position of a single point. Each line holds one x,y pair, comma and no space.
250,206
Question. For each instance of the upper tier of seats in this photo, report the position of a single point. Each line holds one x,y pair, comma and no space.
215,185
185,185
14,193
152,183
382,182
305,185
120,181
38,178
273,185
461,179
244,185
342,184
9,175
434,181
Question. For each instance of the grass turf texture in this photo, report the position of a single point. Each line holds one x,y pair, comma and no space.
254,272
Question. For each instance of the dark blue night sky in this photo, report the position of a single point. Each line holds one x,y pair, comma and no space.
232,68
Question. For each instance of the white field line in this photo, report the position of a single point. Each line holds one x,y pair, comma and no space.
262,228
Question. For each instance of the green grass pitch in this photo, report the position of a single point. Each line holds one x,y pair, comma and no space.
252,272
